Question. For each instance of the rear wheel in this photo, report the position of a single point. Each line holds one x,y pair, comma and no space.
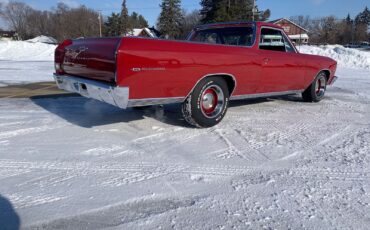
207,104
316,91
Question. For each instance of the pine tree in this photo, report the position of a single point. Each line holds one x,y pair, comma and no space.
138,21
142,22
363,17
362,22
348,19
231,10
169,21
113,25
125,20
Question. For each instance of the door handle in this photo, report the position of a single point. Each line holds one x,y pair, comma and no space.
266,60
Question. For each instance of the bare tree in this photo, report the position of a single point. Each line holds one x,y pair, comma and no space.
16,14
61,23
190,20
304,21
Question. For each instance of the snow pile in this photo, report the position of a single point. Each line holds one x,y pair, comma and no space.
43,39
26,51
346,57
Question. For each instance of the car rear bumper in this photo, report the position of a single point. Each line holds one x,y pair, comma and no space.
117,96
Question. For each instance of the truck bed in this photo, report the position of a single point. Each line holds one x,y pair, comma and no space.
93,58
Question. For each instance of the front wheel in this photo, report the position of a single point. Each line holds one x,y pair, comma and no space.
206,106
316,91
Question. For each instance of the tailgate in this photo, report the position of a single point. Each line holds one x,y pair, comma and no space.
93,58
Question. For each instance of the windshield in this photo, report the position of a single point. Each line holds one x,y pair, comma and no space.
237,36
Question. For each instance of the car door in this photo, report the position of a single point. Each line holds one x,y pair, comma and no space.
282,67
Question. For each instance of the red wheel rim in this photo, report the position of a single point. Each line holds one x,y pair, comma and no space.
209,101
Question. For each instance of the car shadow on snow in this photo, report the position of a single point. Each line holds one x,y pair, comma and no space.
89,113
9,219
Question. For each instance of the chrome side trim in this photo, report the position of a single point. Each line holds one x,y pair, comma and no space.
154,101
211,75
117,96
272,94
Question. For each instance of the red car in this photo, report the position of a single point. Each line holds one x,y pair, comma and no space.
218,63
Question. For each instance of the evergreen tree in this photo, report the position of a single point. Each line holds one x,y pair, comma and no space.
125,20
363,17
142,21
362,22
169,21
138,21
348,20
231,10
113,25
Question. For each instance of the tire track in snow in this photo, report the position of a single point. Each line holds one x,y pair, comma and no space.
133,173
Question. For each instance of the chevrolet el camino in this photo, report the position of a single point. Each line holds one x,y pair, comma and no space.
217,63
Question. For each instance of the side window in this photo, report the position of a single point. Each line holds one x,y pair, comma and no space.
288,45
206,37
238,36
235,36
272,40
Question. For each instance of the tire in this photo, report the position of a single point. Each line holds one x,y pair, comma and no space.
316,91
207,104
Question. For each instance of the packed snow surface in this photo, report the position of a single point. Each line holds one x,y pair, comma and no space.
43,39
76,163
346,57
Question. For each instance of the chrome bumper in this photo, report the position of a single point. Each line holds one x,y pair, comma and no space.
335,78
117,96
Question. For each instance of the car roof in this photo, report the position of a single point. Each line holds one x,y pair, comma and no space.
236,24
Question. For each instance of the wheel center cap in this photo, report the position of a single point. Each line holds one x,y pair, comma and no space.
208,101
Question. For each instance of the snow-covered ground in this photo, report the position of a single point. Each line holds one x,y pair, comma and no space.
346,57
25,62
43,39
75,163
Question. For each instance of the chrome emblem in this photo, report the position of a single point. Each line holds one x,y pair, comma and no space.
148,69
136,69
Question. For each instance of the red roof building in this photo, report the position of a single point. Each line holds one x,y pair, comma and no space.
296,33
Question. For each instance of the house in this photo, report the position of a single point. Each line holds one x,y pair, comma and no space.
8,35
296,33
145,32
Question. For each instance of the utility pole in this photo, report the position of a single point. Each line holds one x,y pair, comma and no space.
100,23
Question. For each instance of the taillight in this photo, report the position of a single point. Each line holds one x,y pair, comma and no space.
59,55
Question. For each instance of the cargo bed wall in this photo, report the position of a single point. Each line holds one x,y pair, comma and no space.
92,58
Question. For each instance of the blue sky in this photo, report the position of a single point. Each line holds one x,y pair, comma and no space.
150,8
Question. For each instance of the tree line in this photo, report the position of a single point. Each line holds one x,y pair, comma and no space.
173,22
332,30
62,22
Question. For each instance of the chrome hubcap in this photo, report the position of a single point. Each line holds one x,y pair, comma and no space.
212,101
208,100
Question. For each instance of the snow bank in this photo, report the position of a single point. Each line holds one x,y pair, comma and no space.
26,51
43,39
346,57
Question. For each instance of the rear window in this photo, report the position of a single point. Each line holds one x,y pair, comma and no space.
236,36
